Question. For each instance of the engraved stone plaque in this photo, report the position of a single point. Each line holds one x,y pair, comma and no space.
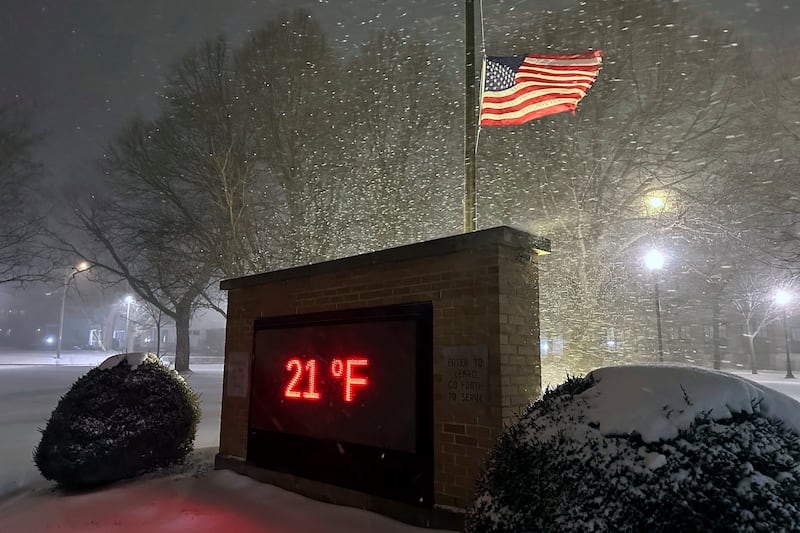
465,376
237,364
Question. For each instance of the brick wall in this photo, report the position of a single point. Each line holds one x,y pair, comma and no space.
484,290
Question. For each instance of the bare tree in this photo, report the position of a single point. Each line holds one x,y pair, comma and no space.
284,71
395,144
213,148
658,122
22,221
180,189
156,261
775,97
358,147
201,191
754,300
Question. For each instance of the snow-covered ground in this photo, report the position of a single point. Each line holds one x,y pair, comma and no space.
194,498
216,501
29,393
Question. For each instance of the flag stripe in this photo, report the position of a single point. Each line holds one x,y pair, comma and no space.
520,117
518,89
524,76
554,75
531,60
559,68
525,88
536,94
524,103
565,71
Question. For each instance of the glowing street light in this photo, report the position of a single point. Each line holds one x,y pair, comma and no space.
80,267
655,203
128,302
782,299
654,260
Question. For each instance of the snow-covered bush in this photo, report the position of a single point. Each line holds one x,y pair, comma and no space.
639,448
128,416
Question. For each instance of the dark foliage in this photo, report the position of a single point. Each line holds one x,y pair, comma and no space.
118,423
737,474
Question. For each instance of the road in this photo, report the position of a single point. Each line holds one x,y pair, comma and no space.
29,393
776,380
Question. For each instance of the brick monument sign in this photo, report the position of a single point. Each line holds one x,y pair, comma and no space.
382,380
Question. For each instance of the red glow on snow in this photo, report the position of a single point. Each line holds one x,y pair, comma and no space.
130,509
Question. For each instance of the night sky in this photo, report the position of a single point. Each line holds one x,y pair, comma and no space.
85,67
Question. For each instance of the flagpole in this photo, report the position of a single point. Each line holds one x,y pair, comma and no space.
470,128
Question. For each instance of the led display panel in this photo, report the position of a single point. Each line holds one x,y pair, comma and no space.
346,397
345,382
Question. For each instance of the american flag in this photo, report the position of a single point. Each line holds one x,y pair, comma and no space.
517,89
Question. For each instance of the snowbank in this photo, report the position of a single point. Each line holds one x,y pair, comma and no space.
656,448
659,401
134,359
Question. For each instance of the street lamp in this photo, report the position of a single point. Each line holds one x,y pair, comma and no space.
782,298
80,267
654,260
655,203
128,301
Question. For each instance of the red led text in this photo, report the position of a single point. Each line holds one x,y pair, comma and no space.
296,367
350,379
302,384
